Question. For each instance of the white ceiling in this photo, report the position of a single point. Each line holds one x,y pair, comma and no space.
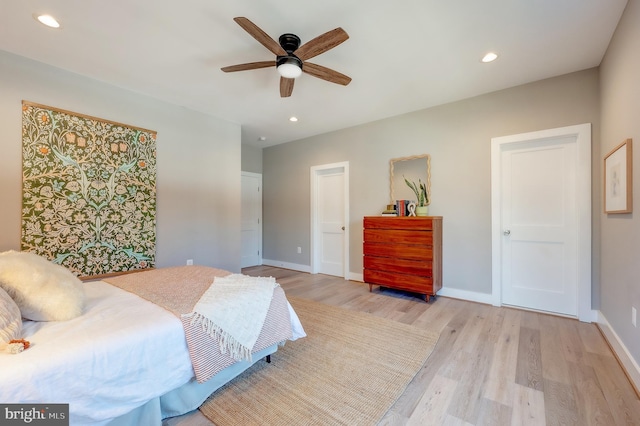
402,55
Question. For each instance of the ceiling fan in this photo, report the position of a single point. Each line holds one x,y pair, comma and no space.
291,58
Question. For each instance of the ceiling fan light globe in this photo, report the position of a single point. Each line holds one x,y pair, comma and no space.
289,70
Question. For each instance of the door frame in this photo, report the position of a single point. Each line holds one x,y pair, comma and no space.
582,134
315,228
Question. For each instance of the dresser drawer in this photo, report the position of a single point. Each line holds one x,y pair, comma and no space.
398,236
413,283
409,223
403,266
398,251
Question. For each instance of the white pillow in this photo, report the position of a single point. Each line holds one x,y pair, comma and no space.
42,290
10,319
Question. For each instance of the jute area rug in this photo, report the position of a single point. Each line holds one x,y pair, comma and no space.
349,370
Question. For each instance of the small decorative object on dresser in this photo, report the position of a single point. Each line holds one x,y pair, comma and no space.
422,195
403,253
390,210
412,208
422,210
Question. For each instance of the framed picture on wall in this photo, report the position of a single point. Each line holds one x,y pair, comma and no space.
618,184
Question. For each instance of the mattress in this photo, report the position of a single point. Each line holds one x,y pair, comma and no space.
122,352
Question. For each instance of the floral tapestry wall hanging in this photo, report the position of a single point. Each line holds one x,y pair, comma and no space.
88,191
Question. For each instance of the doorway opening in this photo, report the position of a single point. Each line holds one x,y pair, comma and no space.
330,219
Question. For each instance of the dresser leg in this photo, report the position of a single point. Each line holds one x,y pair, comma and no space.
427,298
370,287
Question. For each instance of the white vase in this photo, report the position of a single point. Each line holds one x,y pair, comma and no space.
422,211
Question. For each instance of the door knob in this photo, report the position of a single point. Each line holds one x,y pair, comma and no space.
343,228
507,232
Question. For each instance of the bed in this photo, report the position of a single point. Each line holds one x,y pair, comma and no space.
123,361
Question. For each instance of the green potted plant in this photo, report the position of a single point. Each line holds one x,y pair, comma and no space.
421,195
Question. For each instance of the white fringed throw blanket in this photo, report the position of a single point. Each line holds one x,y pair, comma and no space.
180,290
233,311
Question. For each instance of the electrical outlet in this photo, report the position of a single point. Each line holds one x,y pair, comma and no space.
633,316
299,250
189,261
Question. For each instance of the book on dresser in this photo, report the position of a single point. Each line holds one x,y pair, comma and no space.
403,253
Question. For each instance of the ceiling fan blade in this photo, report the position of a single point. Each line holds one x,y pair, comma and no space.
325,73
262,37
249,66
321,44
286,87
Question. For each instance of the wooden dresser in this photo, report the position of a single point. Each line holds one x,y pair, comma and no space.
403,253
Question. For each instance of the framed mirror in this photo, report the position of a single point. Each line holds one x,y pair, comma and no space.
414,168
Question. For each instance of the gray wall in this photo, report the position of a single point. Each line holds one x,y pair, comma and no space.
620,103
458,137
251,159
198,181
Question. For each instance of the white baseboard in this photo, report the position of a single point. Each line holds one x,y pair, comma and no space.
591,316
305,268
287,265
352,276
471,296
624,356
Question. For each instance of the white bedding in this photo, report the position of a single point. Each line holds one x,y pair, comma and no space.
120,353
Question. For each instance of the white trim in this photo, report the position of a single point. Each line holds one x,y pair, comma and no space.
472,296
353,276
314,171
583,196
487,299
629,364
286,265
591,316
251,174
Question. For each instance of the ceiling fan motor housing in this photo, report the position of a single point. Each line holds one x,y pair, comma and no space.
289,59
289,42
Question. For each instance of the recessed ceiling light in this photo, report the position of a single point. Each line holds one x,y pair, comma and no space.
262,138
293,119
47,20
489,57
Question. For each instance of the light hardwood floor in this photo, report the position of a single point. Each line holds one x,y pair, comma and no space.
491,366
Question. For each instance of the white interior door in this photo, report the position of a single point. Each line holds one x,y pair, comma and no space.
329,219
539,236
539,219
251,220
